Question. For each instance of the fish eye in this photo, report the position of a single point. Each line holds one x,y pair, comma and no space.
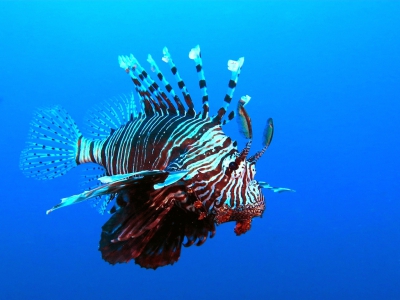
233,166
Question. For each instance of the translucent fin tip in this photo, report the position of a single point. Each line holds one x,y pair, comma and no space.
194,52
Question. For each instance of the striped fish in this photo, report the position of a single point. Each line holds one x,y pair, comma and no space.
169,173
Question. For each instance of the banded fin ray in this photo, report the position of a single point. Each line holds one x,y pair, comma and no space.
146,87
154,67
90,180
234,67
110,115
181,84
195,55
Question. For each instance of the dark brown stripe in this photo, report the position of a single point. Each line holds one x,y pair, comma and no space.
91,151
78,153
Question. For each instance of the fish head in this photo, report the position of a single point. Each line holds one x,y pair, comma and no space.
240,197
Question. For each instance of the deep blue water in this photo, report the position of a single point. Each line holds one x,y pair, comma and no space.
328,72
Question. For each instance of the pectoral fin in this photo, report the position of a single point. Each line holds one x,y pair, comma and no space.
171,179
116,183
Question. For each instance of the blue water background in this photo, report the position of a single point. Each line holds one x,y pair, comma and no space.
328,72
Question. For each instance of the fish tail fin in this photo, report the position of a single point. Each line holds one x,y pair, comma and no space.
52,146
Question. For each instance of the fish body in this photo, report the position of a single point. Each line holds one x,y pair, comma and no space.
171,173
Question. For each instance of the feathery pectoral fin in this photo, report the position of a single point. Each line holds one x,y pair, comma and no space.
116,183
171,179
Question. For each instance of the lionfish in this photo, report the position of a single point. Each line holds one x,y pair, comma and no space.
169,173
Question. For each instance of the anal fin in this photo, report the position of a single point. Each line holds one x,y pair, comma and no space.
90,176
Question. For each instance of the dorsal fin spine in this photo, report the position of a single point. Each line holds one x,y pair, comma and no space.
195,54
235,67
160,76
180,82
